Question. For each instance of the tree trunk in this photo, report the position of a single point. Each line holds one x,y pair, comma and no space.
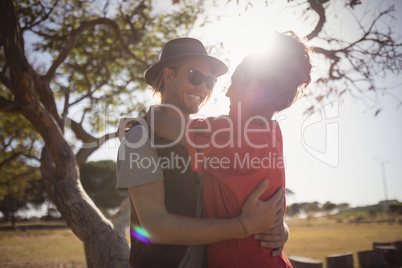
121,220
6,217
13,220
105,246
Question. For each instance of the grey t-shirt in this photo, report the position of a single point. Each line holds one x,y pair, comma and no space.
137,165
137,160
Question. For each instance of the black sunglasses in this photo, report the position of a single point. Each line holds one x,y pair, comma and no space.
197,77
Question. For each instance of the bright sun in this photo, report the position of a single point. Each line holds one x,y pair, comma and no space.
242,32
245,30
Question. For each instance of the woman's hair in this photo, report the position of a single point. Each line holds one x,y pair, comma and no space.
283,71
158,86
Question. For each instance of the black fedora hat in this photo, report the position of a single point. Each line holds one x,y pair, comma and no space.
179,49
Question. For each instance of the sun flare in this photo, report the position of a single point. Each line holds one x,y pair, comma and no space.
242,30
246,29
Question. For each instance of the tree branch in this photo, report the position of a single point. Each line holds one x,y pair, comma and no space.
23,79
331,54
4,79
8,159
370,28
8,106
35,22
73,37
80,132
22,85
83,154
66,100
13,44
317,7
91,144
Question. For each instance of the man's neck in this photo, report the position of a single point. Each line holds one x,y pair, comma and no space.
175,112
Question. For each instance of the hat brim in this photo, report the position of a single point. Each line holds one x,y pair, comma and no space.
218,67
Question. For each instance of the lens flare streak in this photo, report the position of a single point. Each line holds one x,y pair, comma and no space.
141,234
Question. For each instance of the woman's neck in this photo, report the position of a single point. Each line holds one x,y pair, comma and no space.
253,119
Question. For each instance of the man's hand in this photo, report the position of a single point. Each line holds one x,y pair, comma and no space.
258,216
274,238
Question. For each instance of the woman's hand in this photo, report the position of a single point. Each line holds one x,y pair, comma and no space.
258,216
274,238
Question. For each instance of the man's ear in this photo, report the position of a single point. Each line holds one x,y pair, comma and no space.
168,75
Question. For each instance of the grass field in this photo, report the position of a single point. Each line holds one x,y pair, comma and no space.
315,238
41,248
318,238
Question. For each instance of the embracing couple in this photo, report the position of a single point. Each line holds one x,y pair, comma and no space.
227,209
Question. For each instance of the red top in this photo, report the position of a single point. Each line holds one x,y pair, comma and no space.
235,156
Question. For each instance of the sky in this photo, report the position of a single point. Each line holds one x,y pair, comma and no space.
334,154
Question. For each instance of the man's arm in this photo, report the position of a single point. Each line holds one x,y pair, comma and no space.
165,228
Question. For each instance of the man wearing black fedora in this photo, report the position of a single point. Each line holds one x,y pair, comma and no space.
165,194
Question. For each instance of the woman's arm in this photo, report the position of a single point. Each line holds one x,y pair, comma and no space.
165,228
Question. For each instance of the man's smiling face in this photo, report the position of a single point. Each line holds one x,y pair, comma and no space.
182,93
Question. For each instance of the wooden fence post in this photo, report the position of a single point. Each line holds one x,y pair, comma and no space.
398,246
377,244
340,260
304,262
371,258
390,255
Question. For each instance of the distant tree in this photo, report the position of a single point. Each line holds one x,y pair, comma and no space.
20,178
20,185
328,206
310,206
293,209
395,208
343,206
99,181
372,212
18,139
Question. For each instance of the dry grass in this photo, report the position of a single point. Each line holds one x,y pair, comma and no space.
315,238
318,238
41,248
